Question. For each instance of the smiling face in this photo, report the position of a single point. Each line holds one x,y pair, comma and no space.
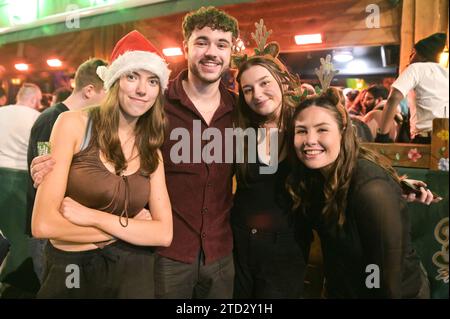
138,91
261,91
317,138
370,102
208,53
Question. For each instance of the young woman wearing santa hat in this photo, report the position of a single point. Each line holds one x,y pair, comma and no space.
107,168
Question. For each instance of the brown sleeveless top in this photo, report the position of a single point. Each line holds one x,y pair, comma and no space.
92,185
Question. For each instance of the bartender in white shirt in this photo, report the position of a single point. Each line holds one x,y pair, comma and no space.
429,80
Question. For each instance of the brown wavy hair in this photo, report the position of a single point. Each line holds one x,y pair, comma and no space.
245,117
149,132
304,184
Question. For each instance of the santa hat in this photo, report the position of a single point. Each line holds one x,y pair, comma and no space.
134,52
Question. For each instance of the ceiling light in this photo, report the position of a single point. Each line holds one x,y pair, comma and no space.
16,81
54,63
302,39
357,66
172,51
21,66
342,56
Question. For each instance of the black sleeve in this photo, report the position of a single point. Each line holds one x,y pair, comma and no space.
40,131
380,225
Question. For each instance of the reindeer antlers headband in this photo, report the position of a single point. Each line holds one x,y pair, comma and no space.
269,51
326,73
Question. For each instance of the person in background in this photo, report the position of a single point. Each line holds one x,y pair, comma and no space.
374,96
429,80
373,102
88,92
108,167
3,97
387,82
354,201
350,97
15,125
358,109
46,102
4,248
61,94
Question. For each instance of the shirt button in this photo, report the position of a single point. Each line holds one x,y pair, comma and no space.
254,231
204,210
203,235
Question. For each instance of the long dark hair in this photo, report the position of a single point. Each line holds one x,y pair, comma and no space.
304,183
149,132
245,117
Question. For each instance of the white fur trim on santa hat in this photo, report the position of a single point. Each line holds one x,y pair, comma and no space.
133,61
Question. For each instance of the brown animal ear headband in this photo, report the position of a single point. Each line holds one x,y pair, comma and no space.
270,51
325,73
263,49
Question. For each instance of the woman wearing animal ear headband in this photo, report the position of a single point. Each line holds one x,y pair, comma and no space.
354,201
270,252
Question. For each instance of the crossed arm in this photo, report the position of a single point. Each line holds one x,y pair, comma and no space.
64,219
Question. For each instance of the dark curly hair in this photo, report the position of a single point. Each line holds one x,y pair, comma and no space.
209,17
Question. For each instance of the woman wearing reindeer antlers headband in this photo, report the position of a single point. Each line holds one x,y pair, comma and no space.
269,252
354,201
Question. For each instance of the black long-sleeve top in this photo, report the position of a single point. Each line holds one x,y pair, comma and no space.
376,232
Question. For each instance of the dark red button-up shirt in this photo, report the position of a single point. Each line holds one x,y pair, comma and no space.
200,193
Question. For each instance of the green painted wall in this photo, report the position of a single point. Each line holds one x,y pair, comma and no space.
46,8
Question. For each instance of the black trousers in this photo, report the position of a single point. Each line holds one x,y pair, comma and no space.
268,265
119,270
178,280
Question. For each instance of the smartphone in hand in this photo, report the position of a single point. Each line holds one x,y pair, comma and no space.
409,188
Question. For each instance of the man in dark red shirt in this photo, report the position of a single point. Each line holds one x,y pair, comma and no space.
199,262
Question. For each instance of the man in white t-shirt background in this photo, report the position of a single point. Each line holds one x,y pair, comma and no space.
429,80
16,121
